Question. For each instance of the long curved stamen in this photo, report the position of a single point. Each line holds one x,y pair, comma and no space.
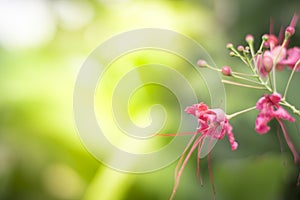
182,156
184,151
198,163
290,78
288,141
211,174
177,179
175,134
280,144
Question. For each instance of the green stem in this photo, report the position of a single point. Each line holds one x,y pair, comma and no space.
250,65
290,78
270,80
243,85
238,55
213,68
243,74
274,77
246,79
240,112
262,45
252,52
293,108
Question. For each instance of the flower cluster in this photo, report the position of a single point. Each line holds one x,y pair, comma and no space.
273,56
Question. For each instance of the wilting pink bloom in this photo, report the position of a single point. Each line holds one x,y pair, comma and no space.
269,108
212,119
213,124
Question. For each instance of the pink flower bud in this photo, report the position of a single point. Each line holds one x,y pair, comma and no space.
229,45
226,71
240,48
265,37
201,63
289,31
268,63
249,38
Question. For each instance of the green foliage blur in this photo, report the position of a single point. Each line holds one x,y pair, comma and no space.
42,47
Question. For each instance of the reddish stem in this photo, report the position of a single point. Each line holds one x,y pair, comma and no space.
211,138
175,134
177,178
198,163
211,174
289,141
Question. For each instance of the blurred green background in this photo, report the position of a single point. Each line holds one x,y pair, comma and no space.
42,47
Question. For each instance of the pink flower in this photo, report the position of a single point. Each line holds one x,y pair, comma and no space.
213,124
269,108
293,56
210,119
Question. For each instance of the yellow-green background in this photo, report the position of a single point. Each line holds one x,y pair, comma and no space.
41,155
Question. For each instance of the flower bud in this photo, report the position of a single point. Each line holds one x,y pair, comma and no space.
249,38
268,63
289,31
231,53
265,37
226,71
201,63
240,48
229,46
